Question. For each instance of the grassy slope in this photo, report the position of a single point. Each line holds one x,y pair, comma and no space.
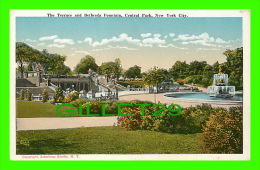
33,109
105,140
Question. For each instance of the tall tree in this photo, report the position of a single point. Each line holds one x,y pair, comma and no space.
179,70
85,64
24,54
154,77
235,67
133,72
197,67
111,69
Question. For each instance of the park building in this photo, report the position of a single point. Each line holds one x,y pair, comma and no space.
87,85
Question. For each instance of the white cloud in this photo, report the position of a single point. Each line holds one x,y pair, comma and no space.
225,46
115,47
157,35
85,52
202,39
237,40
41,44
154,40
187,37
165,36
88,40
123,47
64,41
30,40
101,49
57,45
220,41
145,45
207,49
170,45
146,35
122,37
80,42
201,42
48,38
172,34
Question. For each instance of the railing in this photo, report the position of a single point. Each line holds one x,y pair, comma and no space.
119,85
137,89
53,87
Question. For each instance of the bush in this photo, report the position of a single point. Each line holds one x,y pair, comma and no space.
79,101
223,132
71,97
29,96
196,79
191,120
58,98
180,81
22,94
131,122
45,95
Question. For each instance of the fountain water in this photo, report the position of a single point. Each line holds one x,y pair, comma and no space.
220,87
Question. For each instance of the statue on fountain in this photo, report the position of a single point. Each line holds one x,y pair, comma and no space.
220,87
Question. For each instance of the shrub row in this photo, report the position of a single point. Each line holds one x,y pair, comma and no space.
222,129
189,121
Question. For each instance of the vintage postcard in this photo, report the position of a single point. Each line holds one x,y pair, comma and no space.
130,84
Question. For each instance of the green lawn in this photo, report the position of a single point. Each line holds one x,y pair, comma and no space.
105,140
32,109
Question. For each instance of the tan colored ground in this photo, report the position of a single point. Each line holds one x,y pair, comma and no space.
64,122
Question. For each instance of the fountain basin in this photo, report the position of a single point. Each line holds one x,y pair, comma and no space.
237,98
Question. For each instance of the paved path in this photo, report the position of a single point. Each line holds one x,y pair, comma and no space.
64,122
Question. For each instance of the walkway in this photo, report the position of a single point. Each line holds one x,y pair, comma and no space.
64,122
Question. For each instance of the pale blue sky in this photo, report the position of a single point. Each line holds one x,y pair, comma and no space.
142,41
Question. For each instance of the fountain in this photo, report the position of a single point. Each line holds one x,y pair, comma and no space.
219,92
220,88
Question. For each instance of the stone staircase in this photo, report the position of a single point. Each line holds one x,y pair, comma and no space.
22,82
36,91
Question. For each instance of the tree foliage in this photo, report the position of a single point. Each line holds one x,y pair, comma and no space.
22,94
133,72
58,98
200,72
179,70
25,54
223,132
86,63
154,76
45,95
234,66
30,57
111,69
29,96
